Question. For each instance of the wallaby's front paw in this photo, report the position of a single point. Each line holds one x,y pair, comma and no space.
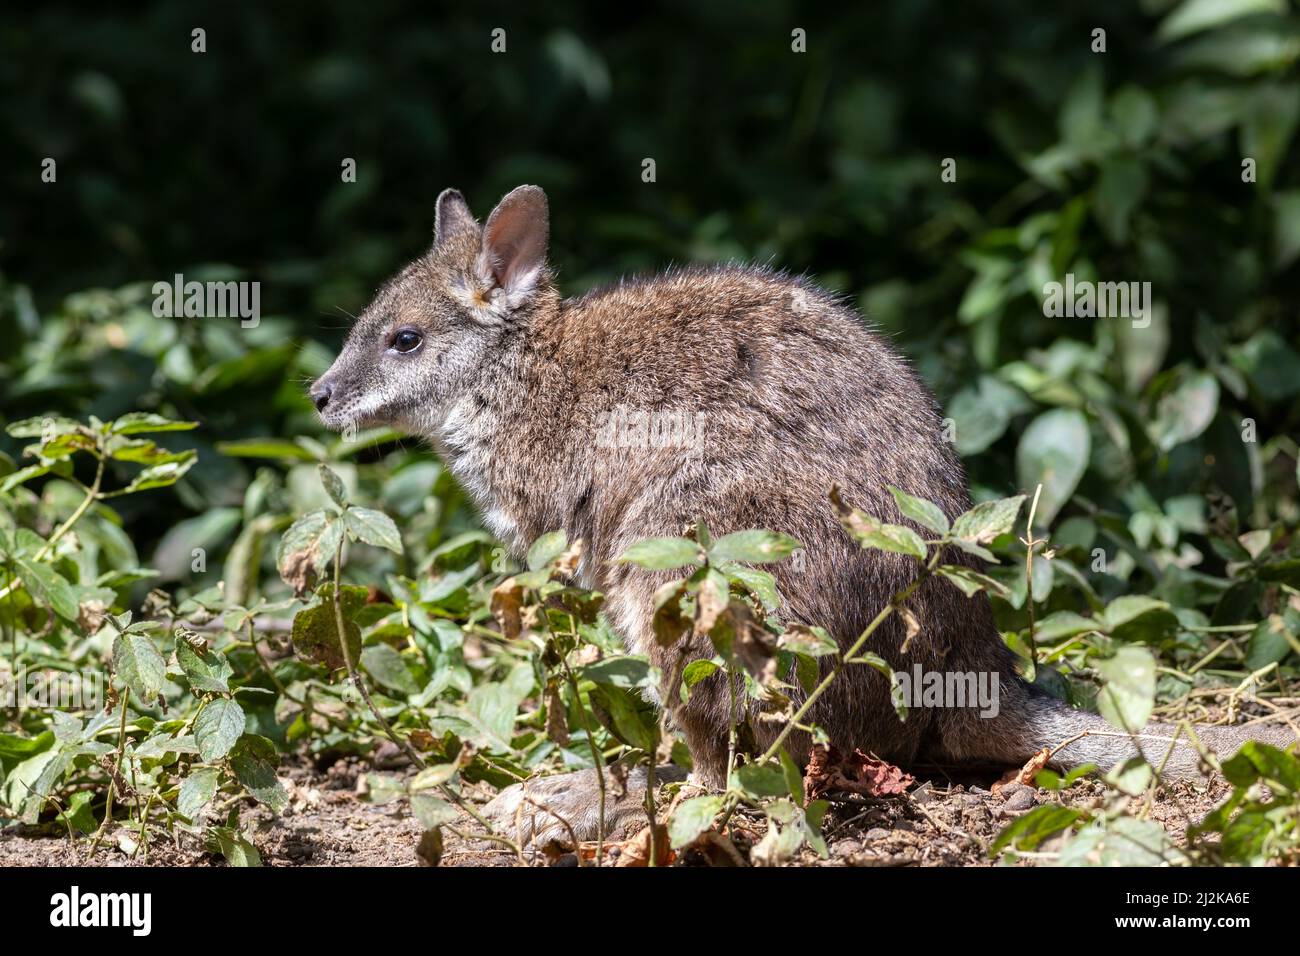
566,807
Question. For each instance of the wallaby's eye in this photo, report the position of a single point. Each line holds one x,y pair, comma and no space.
406,340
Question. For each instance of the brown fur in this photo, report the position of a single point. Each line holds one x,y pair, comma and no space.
796,394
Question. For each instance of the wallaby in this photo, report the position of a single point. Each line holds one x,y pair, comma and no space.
472,347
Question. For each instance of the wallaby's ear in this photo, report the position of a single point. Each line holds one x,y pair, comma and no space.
453,215
514,244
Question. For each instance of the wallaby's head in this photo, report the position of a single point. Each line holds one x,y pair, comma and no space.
422,343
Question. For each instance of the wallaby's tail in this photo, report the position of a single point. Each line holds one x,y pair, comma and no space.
1029,720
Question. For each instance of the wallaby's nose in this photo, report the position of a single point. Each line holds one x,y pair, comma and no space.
320,394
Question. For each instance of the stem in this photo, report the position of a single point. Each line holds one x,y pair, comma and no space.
650,810
360,685
353,674
266,666
596,758
112,780
1030,544
731,723
92,493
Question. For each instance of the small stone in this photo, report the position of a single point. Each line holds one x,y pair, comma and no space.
1022,799
1010,790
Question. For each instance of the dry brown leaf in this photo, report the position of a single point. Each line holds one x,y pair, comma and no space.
1025,774
300,571
829,770
557,724
507,600
567,563
636,851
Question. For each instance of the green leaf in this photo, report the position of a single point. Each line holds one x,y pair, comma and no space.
1123,841
134,423
1121,187
925,513
219,724
61,467
1186,411
621,713
691,818
980,415
254,762
694,672
162,476
1270,364
434,776
1134,617
206,670
546,549
315,628
1053,450
755,546
45,427
1193,16
388,667
793,776
265,448
493,707
661,554
334,486
372,527
197,791
813,641
432,811
137,661
234,846
79,813
1031,829
761,584
620,670
47,587
970,581
758,780
1268,643
988,520
1133,776
308,545
1128,693
1060,625
1260,761
872,533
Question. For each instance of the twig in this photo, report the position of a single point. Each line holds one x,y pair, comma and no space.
1030,543
112,780
596,758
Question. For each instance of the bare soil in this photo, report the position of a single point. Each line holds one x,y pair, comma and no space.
940,822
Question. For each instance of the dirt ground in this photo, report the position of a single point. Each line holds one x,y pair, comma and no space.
940,822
